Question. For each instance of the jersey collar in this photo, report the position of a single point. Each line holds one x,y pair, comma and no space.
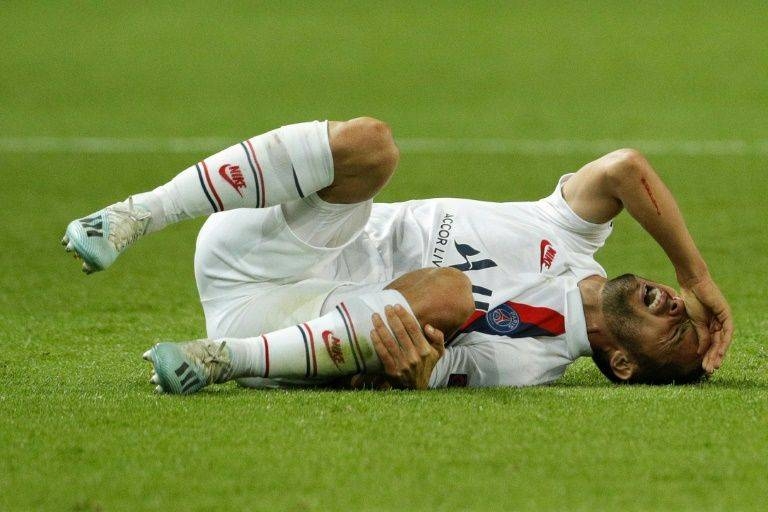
576,324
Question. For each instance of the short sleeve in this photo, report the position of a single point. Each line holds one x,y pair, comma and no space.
501,362
465,366
557,210
582,237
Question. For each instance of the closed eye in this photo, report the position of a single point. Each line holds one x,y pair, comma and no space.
679,333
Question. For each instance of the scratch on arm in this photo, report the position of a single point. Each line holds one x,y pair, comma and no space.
650,194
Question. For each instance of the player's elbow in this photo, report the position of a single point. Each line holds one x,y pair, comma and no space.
624,164
631,159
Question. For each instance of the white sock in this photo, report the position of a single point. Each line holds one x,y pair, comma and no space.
333,345
284,164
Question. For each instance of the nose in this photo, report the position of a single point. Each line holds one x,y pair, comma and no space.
676,307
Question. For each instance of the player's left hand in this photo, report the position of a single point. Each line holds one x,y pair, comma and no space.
407,355
712,319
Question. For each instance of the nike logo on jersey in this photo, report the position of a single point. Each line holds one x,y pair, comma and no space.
547,256
232,175
333,346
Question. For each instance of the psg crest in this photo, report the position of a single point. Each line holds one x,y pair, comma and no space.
503,319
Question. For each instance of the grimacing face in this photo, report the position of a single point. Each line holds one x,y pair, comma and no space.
652,318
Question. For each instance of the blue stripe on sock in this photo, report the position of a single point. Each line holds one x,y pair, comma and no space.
296,181
306,347
253,171
205,190
349,337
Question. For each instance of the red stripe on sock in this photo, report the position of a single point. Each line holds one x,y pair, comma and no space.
266,357
354,335
261,175
210,185
312,345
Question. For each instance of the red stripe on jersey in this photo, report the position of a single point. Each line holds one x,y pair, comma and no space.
266,357
210,185
312,345
477,314
548,319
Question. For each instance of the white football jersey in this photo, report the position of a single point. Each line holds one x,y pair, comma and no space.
524,260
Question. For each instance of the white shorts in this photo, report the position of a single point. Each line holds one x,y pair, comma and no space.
259,270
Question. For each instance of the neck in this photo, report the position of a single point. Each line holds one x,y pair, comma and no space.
591,289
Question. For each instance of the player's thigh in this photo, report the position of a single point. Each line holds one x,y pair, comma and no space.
266,307
294,242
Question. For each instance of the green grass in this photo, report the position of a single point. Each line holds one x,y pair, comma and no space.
80,428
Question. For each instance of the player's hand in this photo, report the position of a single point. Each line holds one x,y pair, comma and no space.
408,357
712,319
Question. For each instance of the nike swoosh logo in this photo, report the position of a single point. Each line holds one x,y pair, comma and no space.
223,173
545,244
333,346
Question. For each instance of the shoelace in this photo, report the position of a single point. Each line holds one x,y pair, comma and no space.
127,224
215,364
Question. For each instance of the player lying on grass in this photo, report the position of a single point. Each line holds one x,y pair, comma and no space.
299,268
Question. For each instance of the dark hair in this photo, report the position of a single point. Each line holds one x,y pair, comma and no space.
650,371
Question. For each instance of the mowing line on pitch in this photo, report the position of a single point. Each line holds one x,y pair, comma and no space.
491,146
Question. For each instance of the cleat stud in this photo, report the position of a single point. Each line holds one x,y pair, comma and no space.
65,240
70,247
158,389
155,379
87,268
147,355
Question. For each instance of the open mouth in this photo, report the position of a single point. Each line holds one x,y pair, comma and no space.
653,297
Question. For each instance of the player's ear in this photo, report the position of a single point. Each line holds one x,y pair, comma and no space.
622,364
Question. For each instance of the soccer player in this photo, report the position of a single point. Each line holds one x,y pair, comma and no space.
299,271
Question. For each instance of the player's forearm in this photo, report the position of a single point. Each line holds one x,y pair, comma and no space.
650,202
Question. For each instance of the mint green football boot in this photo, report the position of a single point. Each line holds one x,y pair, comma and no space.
186,368
101,237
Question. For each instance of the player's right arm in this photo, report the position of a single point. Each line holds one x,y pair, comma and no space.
624,179
407,353
416,359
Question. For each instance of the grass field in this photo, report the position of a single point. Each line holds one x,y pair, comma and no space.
81,429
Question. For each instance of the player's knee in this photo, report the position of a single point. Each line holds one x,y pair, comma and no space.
450,299
381,151
364,158
364,147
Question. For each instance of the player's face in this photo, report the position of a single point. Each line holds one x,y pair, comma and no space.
661,327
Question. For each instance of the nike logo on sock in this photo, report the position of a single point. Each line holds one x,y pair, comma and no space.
333,346
232,175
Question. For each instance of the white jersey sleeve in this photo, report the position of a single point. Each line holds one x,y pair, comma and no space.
582,237
465,366
500,362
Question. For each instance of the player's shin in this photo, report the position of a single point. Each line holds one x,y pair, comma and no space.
284,164
333,345
269,169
